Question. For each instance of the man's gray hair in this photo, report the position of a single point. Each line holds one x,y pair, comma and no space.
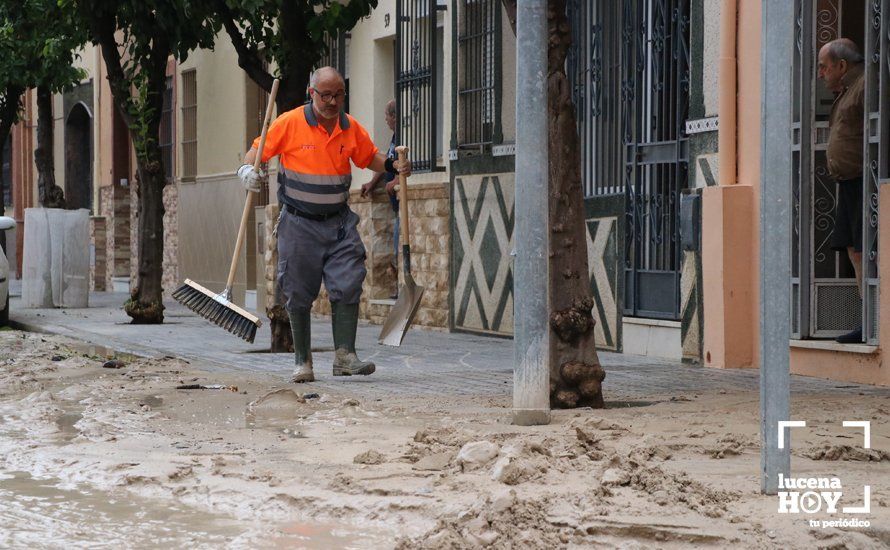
319,72
844,49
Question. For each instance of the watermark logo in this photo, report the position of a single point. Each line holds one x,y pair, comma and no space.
812,495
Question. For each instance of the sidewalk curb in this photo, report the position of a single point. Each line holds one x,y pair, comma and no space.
25,327
86,337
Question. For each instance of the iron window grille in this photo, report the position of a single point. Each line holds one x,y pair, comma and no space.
593,66
337,55
418,95
479,25
165,138
189,125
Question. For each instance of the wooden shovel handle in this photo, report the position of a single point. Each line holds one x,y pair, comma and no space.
404,232
248,204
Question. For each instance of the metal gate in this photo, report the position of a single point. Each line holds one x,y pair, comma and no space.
416,76
826,301
655,96
877,158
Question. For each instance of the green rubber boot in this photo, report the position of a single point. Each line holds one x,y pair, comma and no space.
301,329
345,322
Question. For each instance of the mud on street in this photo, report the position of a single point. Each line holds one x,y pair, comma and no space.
118,457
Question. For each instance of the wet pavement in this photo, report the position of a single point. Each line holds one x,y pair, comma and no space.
429,362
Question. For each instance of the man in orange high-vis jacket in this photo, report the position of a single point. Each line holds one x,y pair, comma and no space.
317,232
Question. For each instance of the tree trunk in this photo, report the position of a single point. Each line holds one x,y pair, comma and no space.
51,195
292,93
145,305
282,338
575,372
301,55
576,375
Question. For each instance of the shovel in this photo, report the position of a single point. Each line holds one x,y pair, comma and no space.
402,313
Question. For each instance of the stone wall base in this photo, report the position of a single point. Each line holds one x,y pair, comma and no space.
98,269
428,213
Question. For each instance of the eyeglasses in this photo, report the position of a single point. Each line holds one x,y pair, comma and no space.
328,96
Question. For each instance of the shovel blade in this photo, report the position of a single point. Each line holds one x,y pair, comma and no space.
402,313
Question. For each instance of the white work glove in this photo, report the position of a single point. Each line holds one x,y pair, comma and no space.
252,179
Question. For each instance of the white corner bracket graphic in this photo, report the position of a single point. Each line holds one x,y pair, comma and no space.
866,430
866,499
788,424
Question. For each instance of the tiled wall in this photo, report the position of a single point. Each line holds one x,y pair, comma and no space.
483,240
114,204
170,278
98,269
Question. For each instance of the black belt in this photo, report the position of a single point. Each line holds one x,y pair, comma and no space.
317,217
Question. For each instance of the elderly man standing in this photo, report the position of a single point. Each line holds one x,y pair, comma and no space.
317,232
841,68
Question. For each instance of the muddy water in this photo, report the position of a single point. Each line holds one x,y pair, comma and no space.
94,350
37,513
45,513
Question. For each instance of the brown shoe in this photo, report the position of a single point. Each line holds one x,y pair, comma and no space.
348,364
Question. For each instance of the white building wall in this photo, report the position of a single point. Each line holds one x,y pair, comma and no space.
372,80
221,100
371,76
711,57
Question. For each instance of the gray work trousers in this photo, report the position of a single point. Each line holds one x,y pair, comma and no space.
310,251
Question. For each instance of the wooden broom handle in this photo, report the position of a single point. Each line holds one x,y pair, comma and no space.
248,204
402,151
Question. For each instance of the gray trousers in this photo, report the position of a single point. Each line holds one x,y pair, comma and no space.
310,251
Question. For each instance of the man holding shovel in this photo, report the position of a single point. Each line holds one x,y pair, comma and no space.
317,232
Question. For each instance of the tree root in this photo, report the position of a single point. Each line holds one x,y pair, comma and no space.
585,380
144,314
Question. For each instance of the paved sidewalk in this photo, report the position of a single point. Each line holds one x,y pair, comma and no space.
428,362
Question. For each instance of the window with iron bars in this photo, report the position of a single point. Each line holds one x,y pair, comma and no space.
479,24
418,64
337,56
593,66
165,138
189,125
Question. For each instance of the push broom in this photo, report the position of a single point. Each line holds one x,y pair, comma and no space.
218,308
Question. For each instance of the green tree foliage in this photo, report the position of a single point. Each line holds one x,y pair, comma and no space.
37,50
137,38
287,33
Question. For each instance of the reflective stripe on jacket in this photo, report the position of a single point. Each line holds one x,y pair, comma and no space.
314,174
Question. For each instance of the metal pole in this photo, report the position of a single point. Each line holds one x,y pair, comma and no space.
531,372
777,51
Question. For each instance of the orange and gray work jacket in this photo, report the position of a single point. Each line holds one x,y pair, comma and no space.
314,175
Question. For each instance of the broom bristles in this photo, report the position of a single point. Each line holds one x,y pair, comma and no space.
217,310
